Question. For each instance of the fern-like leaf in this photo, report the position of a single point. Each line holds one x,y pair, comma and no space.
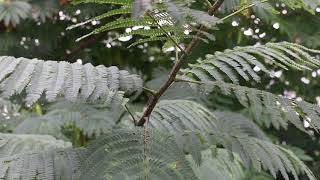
280,109
91,119
185,118
218,164
120,154
61,78
44,165
266,10
12,12
11,144
240,61
182,115
165,15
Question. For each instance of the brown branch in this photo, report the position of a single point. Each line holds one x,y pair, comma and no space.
153,100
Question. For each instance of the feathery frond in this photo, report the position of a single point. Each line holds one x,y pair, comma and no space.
120,154
230,64
44,165
40,125
219,165
11,144
9,114
266,9
280,109
153,26
12,12
185,119
309,5
38,77
180,115
91,119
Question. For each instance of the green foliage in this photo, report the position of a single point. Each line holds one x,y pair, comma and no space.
230,64
60,164
155,26
279,109
92,120
39,125
63,78
194,128
182,138
265,10
11,13
12,144
123,154
219,165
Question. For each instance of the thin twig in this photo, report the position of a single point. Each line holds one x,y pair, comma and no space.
153,92
208,3
154,99
189,81
131,114
146,152
239,10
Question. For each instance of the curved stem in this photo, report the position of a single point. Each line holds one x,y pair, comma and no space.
153,92
240,10
130,113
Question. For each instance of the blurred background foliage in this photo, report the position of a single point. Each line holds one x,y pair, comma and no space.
37,29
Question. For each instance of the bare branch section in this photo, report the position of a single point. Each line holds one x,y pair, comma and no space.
153,100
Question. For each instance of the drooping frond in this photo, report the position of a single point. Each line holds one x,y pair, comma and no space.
265,155
180,115
219,165
44,165
241,61
309,5
40,125
9,114
238,124
74,81
12,12
265,8
120,154
194,126
11,144
91,119
279,109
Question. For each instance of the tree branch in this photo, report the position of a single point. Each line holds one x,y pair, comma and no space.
153,100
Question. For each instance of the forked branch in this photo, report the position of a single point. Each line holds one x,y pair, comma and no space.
153,100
